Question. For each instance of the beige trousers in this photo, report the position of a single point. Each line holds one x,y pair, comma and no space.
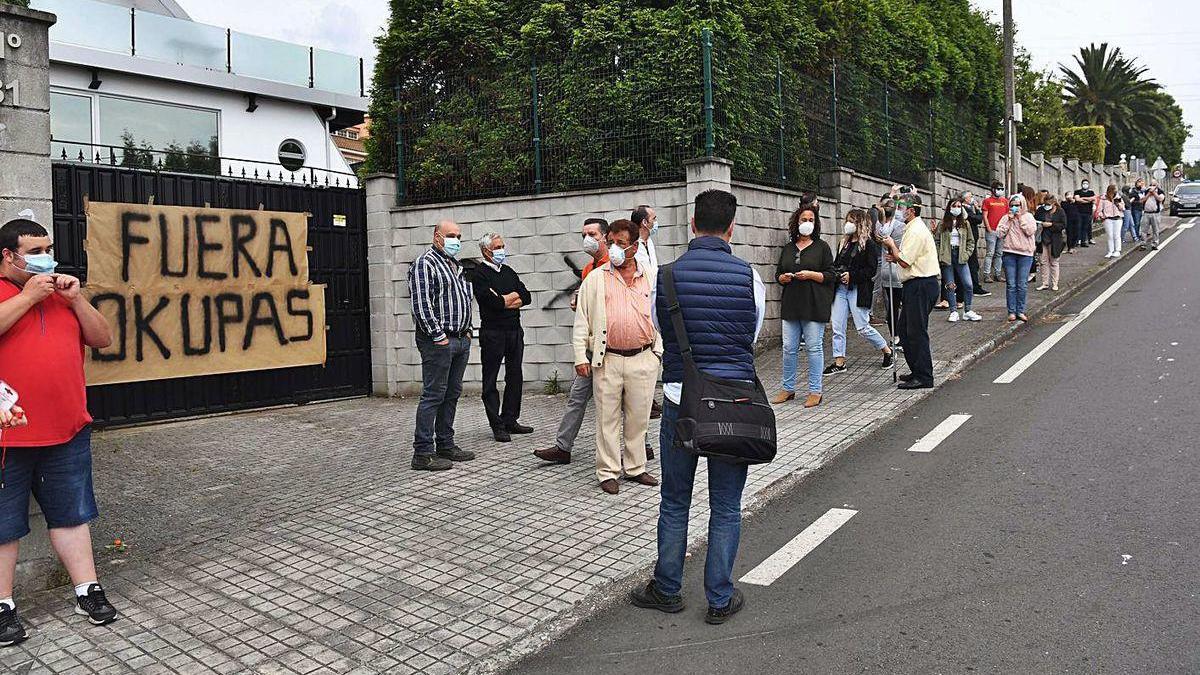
1049,268
623,384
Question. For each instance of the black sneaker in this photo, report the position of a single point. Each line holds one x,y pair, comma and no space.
501,435
888,359
719,615
649,452
456,454
96,607
431,463
12,631
982,293
651,598
835,368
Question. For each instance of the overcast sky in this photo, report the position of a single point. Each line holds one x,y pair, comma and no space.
1153,31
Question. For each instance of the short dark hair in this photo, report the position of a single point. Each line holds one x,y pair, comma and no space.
640,214
997,185
599,221
715,210
794,221
13,230
625,226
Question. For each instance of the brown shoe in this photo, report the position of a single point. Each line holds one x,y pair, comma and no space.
812,401
610,486
783,397
643,479
553,455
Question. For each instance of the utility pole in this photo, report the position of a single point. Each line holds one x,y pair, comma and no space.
1010,100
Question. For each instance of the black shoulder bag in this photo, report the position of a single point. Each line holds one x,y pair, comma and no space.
729,420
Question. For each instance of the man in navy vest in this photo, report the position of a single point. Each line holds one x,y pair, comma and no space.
723,301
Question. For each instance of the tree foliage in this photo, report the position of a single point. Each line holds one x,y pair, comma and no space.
620,84
1041,99
1083,143
1108,89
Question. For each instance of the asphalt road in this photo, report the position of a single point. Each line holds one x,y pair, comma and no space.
1055,531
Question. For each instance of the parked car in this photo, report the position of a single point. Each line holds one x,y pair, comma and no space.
1185,199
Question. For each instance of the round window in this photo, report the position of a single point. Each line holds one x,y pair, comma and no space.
292,155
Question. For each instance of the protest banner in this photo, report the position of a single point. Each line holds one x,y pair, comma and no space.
199,291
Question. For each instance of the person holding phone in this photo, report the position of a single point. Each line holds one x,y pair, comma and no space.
1053,238
45,324
805,271
1151,214
856,268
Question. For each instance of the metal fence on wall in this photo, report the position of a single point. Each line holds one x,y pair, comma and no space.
628,117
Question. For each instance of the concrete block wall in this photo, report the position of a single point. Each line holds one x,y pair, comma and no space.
541,234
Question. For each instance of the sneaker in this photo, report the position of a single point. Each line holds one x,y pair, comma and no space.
456,454
652,598
12,631
835,368
95,607
719,615
1154,247
1042,287
942,304
888,359
649,452
1054,287
953,318
430,463
987,279
982,293
972,316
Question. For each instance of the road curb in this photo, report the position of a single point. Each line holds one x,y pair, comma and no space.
614,592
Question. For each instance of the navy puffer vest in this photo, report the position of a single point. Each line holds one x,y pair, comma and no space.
716,292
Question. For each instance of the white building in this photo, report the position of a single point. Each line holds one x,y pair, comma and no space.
137,82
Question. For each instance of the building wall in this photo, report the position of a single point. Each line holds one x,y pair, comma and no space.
243,135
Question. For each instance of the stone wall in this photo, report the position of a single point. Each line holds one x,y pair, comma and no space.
542,234
25,116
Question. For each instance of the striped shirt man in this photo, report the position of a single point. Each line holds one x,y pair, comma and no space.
441,296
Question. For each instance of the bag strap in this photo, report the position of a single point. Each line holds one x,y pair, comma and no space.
685,347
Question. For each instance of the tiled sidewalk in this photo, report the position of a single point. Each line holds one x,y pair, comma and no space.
297,541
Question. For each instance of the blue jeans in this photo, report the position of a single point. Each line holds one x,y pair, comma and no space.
59,476
812,334
992,258
1127,226
442,368
1137,222
725,484
960,275
1016,271
846,304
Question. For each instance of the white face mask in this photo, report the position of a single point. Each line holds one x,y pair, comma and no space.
805,228
591,246
849,229
956,212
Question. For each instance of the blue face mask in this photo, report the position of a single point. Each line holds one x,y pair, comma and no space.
654,228
39,263
499,256
1014,210
451,245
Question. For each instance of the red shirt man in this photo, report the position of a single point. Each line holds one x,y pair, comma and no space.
995,207
45,323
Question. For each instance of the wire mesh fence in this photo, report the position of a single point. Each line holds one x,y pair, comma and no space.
626,117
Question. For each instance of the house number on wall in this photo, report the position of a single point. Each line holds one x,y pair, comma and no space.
10,92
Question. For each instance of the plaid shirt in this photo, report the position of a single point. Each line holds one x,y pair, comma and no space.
441,297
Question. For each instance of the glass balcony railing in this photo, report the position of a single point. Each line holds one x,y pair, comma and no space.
99,25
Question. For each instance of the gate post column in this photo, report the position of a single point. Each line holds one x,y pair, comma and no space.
25,184
382,273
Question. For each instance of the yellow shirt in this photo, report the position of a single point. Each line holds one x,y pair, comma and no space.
918,249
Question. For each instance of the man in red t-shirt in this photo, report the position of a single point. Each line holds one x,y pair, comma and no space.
45,323
595,233
994,208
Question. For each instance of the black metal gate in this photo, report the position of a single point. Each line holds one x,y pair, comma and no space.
338,259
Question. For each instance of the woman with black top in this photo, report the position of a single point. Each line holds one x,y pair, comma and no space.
805,271
1053,219
856,265
1068,208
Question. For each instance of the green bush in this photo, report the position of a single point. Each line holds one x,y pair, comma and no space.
1083,143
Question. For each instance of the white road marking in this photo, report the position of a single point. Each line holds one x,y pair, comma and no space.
1010,375
940,433
801,545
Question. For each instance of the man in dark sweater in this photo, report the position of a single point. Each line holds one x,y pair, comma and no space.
500,295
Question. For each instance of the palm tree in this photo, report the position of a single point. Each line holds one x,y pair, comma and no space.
1112,91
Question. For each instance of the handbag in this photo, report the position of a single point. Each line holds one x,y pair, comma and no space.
727,420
